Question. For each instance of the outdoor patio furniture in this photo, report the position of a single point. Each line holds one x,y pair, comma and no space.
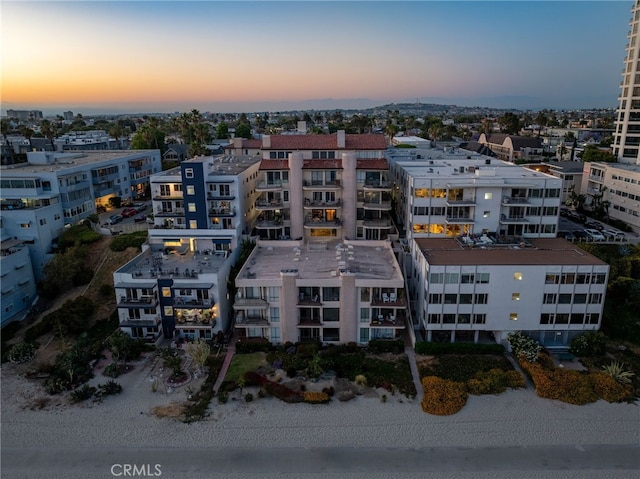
385,298
393,297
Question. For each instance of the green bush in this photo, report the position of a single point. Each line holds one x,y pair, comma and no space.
78,234
378,346
83,276
494,381
248,397
124,241
82,393
22,353
430,348
591,343
108,388
223,397
524,346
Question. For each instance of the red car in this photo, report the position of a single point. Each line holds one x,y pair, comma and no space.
128,212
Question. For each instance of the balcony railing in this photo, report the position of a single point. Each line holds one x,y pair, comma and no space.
458,219
377,205
322,204
267,205
250,303
141,301
513,219
515,200
222,211
310,222
319,184
383,184
140,323
242,320
309,322
268,185
176,212
181,301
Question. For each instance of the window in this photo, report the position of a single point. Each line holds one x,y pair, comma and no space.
513,316
467,278
562,318
364,335
437,278
168,310
191,207
188,172
479,318
331,294
275,334
582,279
331,314
576,318
464,319
466,299
451,278
274,314
568,278
43,221
450,298
481,298
546,318
598,278
166,292
550,298
435,298
191,190
579,298
486,214
25,225
515,296
552,279
595,298
564,299
482,278
331,334
449,319
365,295
488,196
364,315
592,318
517,276
273,293
193,224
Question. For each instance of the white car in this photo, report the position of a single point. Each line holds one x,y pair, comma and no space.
614,235
595,234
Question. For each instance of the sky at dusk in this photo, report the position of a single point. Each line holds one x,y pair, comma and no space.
163,56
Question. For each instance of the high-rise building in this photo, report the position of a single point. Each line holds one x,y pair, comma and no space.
627,135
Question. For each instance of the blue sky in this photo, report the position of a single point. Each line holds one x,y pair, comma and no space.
252,56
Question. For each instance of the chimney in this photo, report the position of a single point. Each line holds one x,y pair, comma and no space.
266,141
341,139
302,127
237,142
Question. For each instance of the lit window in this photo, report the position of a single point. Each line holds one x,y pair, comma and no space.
168,311
191,190
513,316
166,292
191,207
193,224
517,276
486,214
515,296
488,196
25,225
188,172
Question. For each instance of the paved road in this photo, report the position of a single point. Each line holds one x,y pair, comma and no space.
606,461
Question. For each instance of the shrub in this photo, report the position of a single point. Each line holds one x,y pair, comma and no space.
495,381
609,389
252,378
111,370
616,371
244,347
378,346
248,397
329,391
313,397
591,343
124,241
282,392
361,380
83,276
442,397
223,397
430,348
564,385
22,353
522,345
109,388
82,393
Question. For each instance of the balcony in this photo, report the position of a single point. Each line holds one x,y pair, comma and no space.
377,223
316,222
515,200
308,204
388,301
213,196
377,205
458,219
169,213
140,323
263,205
250,303
377,185
387,321
309,322
187,302
143,301
461,202
270,224
249,321
317,185
269,186
219,212
164,195
192,318
504,219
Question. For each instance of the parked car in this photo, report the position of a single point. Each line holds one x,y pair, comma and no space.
595,234
139,207
594,225
580,234
113,219
565,212
128,212
568,235
140,218
613,235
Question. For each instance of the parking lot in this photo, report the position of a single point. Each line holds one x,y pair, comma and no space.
576,227
130,221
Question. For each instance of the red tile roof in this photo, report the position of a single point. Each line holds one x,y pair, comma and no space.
327,142
361,164
274,164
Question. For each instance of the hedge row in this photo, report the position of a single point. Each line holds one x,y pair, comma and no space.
278,390
386,346
575,387
430,348
442,397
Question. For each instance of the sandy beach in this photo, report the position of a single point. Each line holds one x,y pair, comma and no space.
513,419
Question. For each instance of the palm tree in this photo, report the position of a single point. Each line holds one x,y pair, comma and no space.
391,131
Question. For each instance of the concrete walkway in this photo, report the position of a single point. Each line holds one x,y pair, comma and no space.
231,350
411,356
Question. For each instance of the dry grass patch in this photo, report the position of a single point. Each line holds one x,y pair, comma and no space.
173,410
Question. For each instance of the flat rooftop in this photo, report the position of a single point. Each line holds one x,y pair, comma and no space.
542,251
217,166
72,160
365,259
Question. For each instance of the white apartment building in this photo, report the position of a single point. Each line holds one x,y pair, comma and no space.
547,288
17,283
332,292
619,184
626,143
178,286
459,193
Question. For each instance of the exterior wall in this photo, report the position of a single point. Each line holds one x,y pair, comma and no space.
17,283
626,144
620,186
349,197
